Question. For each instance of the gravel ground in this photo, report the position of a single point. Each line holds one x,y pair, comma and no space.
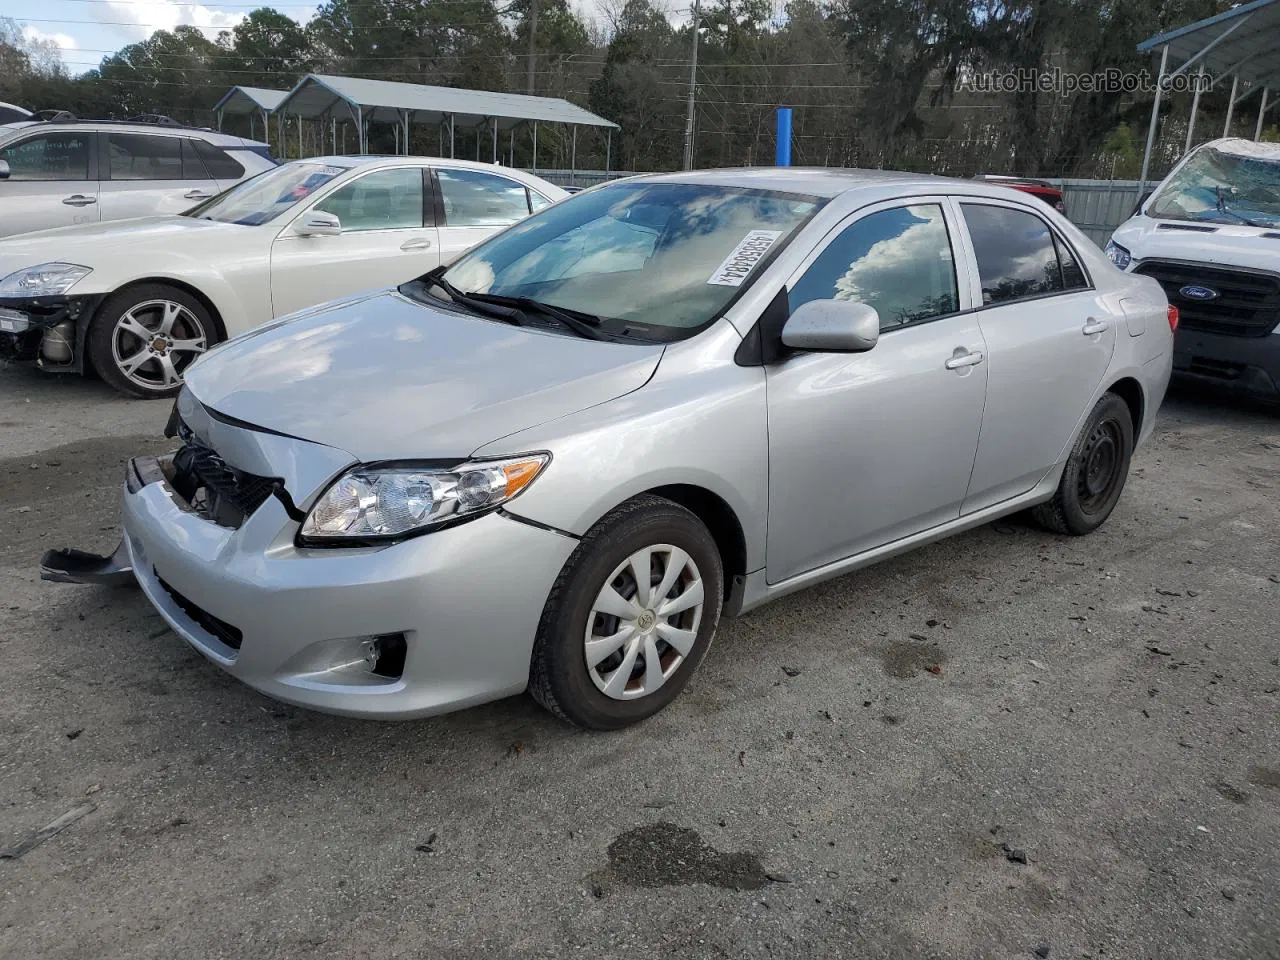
1006,745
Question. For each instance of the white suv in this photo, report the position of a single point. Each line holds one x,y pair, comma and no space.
70,172
1210,234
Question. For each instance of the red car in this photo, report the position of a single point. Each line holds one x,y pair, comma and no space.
1037,188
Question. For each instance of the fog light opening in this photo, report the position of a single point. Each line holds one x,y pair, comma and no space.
384,655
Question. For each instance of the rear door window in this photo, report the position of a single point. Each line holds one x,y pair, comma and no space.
192,167
472,198
138,156
51,156
1073,276
1017,259
219,163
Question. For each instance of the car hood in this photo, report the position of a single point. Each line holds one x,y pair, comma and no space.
1229,244
81,244
386,378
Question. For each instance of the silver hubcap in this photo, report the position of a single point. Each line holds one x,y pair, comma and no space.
155,341
644,622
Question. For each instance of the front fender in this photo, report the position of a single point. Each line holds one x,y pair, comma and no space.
700,421
238,289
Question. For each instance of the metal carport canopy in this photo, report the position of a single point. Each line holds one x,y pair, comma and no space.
1243,43
242,100
387,101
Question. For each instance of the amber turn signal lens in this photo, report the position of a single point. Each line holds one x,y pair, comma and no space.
520,474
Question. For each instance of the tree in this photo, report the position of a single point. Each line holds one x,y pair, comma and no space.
632,90
267,49
453,43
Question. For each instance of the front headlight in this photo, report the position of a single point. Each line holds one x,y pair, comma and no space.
383,503
1118,254
43,280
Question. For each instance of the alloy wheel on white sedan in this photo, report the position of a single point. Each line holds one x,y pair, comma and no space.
143,339
155,341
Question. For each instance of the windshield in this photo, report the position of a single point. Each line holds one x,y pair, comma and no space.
267,195
1216,186
655,255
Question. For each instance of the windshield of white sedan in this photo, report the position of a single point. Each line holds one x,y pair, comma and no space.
267,196
1219,186
655,255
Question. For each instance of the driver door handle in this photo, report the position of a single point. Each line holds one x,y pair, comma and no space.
79,200
1093,326
196,195
968,359
417,243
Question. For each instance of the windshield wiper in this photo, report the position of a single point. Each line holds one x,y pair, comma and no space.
470,301
583,324
1222,208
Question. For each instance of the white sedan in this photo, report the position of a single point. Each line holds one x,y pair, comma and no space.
139,300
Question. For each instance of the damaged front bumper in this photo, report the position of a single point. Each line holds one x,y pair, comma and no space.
423,626
77,566
48,331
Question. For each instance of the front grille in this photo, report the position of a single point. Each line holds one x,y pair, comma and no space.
215,489
1247,305
223,631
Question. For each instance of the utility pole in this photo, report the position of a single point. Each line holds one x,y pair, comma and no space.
533,40
693,87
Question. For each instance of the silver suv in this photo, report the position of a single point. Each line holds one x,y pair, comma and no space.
70,172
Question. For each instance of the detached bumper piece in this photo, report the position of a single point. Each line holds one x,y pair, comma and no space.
77,566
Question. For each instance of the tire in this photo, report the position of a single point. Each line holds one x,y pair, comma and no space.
1095,474
142,338
602,697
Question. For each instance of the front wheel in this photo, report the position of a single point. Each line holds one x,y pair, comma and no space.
145,337
630,616
1096,470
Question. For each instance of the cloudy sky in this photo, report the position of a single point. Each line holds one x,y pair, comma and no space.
88,30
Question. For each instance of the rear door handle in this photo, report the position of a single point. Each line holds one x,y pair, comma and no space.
1093,326
196,195
968,359
79,200
418,243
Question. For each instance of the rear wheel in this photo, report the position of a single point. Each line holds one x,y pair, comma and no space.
144,338
630,617
1095,474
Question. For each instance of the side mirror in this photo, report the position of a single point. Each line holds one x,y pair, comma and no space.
4,169
1142,202
834,326
317,223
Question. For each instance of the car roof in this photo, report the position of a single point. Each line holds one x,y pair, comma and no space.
1244,148
829,183
390,159
124,126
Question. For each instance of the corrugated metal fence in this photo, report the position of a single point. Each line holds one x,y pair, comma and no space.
1099,206
1096,206
577,178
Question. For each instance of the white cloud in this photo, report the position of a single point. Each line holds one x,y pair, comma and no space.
144,18
60,40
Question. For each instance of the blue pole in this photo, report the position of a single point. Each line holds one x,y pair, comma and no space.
783,155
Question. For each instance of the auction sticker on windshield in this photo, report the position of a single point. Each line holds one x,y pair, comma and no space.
740,261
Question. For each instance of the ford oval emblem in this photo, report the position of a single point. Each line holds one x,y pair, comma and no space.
1196,292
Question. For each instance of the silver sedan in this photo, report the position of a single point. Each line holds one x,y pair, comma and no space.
557,463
